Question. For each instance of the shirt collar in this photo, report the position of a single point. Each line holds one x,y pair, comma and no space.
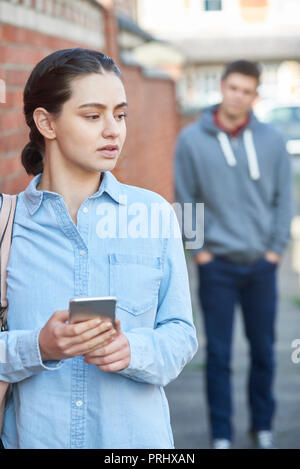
33,197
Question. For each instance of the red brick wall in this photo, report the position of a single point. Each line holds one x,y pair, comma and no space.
111,34
152,126
147,159
20,50
187,119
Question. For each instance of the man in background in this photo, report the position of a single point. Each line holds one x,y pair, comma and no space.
239,168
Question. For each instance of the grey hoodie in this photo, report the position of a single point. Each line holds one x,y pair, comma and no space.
244,183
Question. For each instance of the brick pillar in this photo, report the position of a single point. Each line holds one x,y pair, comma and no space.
111,33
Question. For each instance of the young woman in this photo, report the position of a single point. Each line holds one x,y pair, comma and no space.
89,385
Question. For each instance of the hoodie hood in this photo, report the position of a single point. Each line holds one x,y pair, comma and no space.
209,125
207,120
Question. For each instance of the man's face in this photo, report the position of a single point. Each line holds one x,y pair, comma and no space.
239,93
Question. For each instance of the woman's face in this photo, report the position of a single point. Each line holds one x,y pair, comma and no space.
91,130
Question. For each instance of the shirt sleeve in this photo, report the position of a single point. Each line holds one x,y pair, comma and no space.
158,355
20,356
283,203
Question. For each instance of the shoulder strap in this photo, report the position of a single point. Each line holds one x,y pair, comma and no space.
7,214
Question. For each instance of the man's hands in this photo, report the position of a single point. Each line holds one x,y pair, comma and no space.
272,256
112,356
203,257
98,341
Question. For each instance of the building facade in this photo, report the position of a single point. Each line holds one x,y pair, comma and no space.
211,33
32,29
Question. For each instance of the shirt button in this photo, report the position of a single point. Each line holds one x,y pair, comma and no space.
79,403
85,210
82,252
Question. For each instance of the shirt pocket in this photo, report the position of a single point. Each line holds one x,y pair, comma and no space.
135,281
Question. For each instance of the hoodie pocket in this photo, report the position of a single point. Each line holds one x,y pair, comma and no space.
134,281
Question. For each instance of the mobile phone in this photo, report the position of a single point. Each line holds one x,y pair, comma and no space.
83,309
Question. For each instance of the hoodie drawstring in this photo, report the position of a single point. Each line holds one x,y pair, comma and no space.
226,147
251,154
250,151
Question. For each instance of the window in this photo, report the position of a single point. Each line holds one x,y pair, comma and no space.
213,5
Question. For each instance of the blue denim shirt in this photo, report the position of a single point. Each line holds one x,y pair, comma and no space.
111,251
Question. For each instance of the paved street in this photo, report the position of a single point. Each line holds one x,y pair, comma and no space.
186,394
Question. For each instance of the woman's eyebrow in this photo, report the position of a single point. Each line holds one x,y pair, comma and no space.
102,106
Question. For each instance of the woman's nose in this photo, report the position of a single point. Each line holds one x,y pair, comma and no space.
111,128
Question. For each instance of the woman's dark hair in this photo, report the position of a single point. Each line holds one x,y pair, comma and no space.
49,86
252,69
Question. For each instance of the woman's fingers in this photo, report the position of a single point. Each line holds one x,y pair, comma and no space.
59,340
116,366
88,345
108,349
113,356
83,332
105,359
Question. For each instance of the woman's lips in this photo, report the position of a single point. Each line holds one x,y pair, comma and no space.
109,151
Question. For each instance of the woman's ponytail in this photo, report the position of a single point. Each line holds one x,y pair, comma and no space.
32,159
32,154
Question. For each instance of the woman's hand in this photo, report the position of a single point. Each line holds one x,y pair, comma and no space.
113,356
58,340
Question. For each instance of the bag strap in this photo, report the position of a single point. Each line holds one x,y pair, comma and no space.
7,214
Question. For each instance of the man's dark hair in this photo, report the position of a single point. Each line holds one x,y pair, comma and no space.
252,69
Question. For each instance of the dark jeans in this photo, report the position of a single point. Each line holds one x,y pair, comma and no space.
223,285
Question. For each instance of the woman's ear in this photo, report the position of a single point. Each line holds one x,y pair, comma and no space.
43,122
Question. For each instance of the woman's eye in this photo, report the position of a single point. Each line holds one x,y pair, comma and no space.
121,116
93,117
